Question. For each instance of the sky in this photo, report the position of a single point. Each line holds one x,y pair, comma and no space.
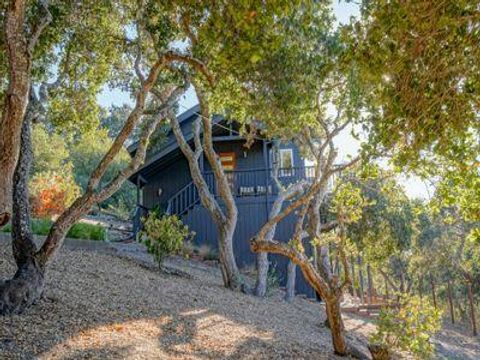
347,145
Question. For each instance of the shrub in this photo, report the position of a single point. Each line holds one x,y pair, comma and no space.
208,253
164,235
78,231
52,193
87,231
273,282
408,328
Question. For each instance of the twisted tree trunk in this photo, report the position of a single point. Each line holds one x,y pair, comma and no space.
15,102
19,47
334,316
330,291
27,285
228,265
225,221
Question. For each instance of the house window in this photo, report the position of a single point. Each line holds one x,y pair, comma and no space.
228,161
286,162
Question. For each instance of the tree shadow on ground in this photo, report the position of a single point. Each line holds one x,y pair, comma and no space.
101,307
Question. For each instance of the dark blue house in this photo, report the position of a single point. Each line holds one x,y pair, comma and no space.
165,182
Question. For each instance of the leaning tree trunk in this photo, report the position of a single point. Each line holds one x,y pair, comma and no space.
471,304
361,279
27,285
334,317
291,279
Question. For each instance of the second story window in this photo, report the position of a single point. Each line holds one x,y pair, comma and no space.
228,160
286,162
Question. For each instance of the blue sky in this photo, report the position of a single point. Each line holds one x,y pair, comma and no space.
346,144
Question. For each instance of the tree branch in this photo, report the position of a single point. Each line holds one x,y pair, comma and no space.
128,127
193,62
39,27
308,270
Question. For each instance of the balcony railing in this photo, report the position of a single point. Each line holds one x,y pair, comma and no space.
243,183
256,182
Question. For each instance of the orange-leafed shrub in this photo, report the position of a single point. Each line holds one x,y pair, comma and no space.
51,193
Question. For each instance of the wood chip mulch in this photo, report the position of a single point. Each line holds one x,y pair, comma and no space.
101,306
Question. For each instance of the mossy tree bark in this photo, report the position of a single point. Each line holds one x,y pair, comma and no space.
19,45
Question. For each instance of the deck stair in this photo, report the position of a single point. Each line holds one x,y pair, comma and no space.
183,200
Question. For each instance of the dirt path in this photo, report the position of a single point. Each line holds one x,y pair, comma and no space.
454,343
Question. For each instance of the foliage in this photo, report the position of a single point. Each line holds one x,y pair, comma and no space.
50,151
386,217
420,101
408,328
52,193
52,185
86,152
273,281
78,231
164,235
87,231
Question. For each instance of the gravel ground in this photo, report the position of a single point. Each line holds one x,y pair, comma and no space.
114,304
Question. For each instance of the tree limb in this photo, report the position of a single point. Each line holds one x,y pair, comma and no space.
39,27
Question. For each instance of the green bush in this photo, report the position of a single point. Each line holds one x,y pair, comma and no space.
87,231
78,231
164,235
408,328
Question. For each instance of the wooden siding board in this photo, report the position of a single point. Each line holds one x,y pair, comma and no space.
253,210
251,216
170,179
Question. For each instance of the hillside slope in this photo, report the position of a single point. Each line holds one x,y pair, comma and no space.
104,306
101,306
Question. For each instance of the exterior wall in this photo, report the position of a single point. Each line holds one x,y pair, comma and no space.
252,214
253,210
170,179
247,159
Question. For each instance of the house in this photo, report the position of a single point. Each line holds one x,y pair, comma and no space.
164,182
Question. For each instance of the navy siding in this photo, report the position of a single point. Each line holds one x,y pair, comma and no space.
253,210
252,214
170,179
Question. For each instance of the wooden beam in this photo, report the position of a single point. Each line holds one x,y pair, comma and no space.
228,138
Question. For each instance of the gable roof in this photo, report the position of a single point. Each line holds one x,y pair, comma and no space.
170,146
